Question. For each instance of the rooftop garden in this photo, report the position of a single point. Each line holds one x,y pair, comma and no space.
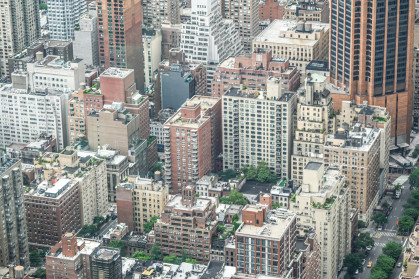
150,140
326,205
293,197
93,90
380,119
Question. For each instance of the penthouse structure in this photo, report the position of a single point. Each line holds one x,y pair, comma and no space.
52,209
315,120
71,257
38,148
153,196
192,141
195,218
252,71
323,205
26,115
266,137
299,42
14,241
304,10
357,151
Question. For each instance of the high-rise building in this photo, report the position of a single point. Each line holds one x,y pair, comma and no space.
72,256
45,109
303,10
14,241
300,42
245,15
315,120
416,78
257,126
151,54
208,38
85,42
371,58
323,205
120,37
63,18
357,152
192,141
106,263
158,12
241,70
272,9
153,196
196,219
20,27
47,224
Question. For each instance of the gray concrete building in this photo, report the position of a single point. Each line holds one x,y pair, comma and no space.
85,41
177,85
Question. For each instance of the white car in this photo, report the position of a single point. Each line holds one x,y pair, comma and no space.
363,261
357,271
380,228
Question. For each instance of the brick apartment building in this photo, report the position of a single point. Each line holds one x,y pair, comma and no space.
187,225
71,258
272,9
253,70
192,136
52,209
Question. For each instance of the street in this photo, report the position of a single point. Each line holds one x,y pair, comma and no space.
389,233
106,227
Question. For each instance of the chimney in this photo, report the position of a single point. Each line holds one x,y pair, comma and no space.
69,245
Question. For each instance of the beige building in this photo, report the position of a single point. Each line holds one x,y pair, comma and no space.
158,12
257,126
357,151
139,200
370,117
299,42
323,205
151,54
302,10
410,256
315,120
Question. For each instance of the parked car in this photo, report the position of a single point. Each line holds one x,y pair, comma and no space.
369,264
363,261
357,271
380,228
399,264
369,248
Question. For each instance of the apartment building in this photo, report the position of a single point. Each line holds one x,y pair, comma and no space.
119,129
248,139
303,10
272,9
245,15
357,152
123,50
170,38
106,263
159,12
53,73
138,200
409,255
71,257
20,25
52,209
64,17
299,42
151,54
38,148
208,38
192,141
14,241
315,120
370,117
26,115
85,41
252,71
323,205
186,225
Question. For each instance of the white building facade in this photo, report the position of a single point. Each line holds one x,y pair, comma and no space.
63,16
151,54
85,43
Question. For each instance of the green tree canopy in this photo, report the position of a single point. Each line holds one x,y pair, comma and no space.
98,219
172,259
414,178
361,224
412,212
379,218
35,258
261,173
88,229
393,250
227,174
149,226
406,223
353,262
364,240
235,197
141,255
156,167
378,274
191,261
43,7
384,263
156,252
40,273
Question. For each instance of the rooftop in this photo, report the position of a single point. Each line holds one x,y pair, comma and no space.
89,247
359,138
237,92
8,89
199,205
275,226
116,72
52,190
313,165
106,254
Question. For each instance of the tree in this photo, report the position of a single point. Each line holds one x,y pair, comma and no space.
88,229
378,274
98,219
414,178
235,197
227,174
141,255
412,212
353,262
379,218
43,7
35,258
40,273
172,259
393,250
385,205
191,261
363,241
235,218
406,223
264,174
149,226
384,263
361,224
156,252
